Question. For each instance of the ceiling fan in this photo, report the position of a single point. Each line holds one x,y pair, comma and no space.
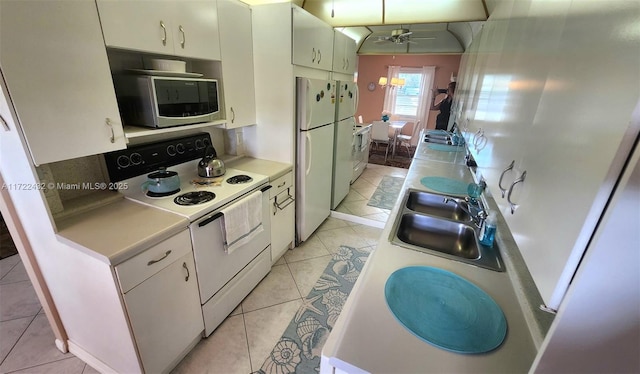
400,36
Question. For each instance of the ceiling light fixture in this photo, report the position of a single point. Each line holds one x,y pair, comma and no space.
395,82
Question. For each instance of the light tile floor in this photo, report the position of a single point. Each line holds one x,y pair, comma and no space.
242,342
361,190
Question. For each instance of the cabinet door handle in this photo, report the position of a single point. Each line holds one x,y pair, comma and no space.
512,205
319,56
184,36
184,265
164,33
510,167
113,135
166,254
313,55
475,136
233,115
5,124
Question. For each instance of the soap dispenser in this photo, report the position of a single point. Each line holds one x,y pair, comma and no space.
489,230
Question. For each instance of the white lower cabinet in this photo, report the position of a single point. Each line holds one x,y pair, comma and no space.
164,308
282,216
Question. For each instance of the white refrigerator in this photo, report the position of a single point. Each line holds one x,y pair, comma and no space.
346,104
315,116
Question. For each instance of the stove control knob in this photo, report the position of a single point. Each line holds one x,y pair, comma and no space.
136,158
205,143
123,161
180,148
171,150
199,144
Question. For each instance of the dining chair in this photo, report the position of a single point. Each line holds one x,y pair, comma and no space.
380,135
408,135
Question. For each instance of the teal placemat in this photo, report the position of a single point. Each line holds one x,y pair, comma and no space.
445,310
445,185
445,148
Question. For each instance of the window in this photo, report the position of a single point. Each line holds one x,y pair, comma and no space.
409,96
411,101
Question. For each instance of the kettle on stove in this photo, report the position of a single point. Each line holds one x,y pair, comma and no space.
211,166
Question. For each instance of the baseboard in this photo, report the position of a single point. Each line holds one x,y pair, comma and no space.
356,219
90,359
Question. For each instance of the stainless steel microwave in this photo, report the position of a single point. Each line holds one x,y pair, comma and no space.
160,101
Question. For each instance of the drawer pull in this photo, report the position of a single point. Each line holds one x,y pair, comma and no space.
160,259
184,265
282,184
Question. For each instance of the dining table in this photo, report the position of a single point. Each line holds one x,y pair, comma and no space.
397,127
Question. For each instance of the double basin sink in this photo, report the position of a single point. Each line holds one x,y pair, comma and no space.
428,223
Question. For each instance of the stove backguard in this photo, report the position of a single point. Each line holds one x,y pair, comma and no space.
145,158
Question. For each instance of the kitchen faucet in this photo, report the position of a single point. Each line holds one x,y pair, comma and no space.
471,206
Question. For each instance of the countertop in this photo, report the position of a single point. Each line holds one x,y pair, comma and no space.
272,169
368,337
118,231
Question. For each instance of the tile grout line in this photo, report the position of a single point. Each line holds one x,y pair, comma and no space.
20,337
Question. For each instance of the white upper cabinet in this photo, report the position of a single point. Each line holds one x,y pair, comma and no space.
344,53
236,45
538,130
180,28
57,73
312,41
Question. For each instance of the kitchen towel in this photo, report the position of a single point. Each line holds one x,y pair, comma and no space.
242,221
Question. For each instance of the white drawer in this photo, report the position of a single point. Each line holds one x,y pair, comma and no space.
135,270
281,184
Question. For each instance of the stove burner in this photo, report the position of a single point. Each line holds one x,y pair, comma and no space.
194,198
161,194
239,179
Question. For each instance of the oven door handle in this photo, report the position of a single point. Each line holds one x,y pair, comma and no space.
210,219
220,214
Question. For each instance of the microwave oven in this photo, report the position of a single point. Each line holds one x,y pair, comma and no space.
159,101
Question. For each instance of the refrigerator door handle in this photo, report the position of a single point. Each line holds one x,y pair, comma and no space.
308,105
308,151
357,100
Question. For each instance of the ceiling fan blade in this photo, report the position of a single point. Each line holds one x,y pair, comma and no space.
424,38
405,34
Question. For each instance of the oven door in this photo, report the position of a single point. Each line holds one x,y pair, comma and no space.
214,266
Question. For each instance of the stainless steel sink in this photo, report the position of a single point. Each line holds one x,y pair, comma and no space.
434,204
440,235
427,224
438,140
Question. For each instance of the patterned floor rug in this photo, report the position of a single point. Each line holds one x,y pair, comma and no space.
401,159
387,192
299,348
